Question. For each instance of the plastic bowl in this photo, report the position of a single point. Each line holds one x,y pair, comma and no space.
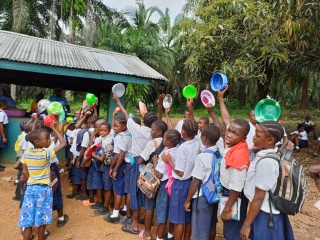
15,112
189,91
90,98
218,81
267,110
48,119
118,89
207,98
167,101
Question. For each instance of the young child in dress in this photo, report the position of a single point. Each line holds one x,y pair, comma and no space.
3,124
118,166
158,128
233,171
181,171
204,215
171,139
299,138
140,137
262,176
36,208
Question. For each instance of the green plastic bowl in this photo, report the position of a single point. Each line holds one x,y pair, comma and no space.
189,91
267,110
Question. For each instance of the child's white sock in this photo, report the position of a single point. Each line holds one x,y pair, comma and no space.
159,238
115,214
170,235
124,208
61,218
297,147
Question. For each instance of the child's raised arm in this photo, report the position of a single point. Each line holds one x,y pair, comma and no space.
189,105
160,105
84,118
169,123
223,109
214,117
60,137
116,99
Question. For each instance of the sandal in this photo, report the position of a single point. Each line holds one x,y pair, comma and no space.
128,229
142,235
46,234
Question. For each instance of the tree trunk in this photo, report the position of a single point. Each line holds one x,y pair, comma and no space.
263,88
304,94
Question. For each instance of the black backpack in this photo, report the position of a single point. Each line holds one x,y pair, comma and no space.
291,189
80,138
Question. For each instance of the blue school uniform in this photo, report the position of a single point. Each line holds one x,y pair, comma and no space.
127,177
136,196
162,203
94,178
118,184
57,194
79,173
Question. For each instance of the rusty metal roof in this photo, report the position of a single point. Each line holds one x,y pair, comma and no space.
24,48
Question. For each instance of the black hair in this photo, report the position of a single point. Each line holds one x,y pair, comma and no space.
137,120
300,125
121,120
35,134
211,132
205,119
149,118
243,124
161,125
105,123
40,95
3,103
274,129
93,119
173,136
190,127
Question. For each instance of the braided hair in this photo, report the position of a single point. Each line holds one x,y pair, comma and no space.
273,128
160,125
173,136
149,118
121,120
190,127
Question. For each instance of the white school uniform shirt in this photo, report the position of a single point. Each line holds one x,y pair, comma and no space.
161,166
69,135
52,146
150,148
219,144
107,139
186,156
3,117
141,135
250,135
179,126
231,178
263,175
73,148
86,139
304,135
122,142
203,168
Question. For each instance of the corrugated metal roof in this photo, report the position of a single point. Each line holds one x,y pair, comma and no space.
23,48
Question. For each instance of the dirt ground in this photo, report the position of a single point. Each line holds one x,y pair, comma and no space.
83,224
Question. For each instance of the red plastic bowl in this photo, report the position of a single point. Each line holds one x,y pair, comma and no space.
48,119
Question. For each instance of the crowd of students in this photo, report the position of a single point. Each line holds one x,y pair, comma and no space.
105,159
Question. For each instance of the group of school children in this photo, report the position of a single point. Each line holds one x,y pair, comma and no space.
106,160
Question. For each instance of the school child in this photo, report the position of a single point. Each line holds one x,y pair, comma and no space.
158,128
188,114
120,169
140,137
204,215
262,176
69,139
3,124
299,138
234,166
181,172
314,171
171,140
36,208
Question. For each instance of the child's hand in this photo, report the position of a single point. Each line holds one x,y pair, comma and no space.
221,93
23,180
210,108
160,100
4,140
187,206
53,125
245,231
34,116
226,215
115,98
114,175
155,158
77,165
189,103
167,111
166,157
110,172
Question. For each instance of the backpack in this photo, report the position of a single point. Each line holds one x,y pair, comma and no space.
147,182
212,188
291,189
80,138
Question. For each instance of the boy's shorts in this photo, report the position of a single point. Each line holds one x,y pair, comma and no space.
79,174
127,177
107,180
36,209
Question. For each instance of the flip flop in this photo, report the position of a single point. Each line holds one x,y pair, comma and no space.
128,230
141,235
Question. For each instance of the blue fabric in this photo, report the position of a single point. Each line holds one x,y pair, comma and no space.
94,179
57,194
127,177
36,208
79,174
136,196
204,218
179,193
11,102
231,229
150,203
162,203
281,230
107,180
303,143
118,184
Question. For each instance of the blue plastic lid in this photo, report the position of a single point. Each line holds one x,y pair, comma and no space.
218,81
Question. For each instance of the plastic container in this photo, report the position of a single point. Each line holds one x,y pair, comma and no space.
142,108
207,98
15,112
189,91
167,101
90,98
48,119
218,81
267,110
118,89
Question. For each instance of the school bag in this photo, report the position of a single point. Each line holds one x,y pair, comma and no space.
291,189
53,176
80,138
212,188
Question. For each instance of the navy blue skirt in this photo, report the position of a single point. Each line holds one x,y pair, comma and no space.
57,194
127,177
179,193
106,179
94,179
136,196
162,203
118,184
280,231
